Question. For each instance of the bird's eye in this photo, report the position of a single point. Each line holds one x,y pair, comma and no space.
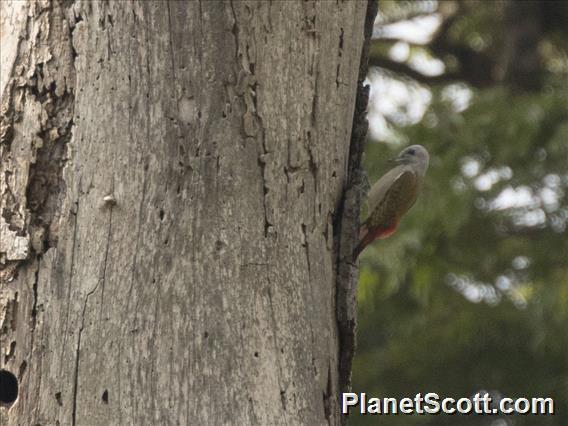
411,151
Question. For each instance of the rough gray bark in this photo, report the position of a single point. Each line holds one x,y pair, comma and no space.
170,178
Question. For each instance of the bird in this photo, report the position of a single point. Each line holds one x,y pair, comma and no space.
393,195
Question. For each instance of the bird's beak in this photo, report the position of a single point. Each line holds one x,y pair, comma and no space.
397,160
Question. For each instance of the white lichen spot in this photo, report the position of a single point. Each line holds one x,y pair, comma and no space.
15,246
187,110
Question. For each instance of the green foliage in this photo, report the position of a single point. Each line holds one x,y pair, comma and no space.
472,293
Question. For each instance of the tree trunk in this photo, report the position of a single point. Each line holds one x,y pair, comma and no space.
174,215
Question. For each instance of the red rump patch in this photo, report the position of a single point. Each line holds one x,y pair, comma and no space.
367,236
383,233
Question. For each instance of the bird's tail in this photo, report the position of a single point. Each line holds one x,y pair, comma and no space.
365,238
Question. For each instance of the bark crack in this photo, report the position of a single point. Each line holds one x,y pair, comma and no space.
171,46
153,353
327,396
306,245
77,357
108,242
277,352
75,214
100,282
38,393
262,164
246,87
33,315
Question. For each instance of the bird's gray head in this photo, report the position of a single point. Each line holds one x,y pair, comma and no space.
415,155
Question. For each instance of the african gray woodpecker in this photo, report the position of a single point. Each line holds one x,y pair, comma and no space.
393,195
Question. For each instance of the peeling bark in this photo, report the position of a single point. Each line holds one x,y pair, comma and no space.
172,180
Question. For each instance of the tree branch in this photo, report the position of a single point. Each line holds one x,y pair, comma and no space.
475,68
408,71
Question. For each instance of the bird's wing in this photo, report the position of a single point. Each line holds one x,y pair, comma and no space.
379,189
398,198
